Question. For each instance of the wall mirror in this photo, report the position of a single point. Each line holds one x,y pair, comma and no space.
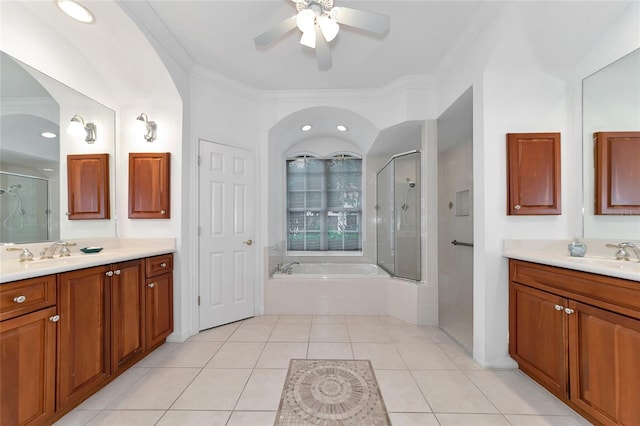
610,103
35,111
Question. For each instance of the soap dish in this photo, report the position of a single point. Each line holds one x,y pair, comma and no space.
88,250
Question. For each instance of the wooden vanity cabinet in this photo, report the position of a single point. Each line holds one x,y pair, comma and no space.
88,186
127,314
149,184
28,351
159,299
84,339
578,335
533,174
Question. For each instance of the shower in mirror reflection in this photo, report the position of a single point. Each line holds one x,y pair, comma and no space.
14,221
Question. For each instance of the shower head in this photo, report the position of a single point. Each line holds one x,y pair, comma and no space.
13,189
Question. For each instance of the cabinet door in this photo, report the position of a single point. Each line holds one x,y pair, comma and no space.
88,186
538,336
159,310
83,338
605,378
149,180
27,368
533,174
127,314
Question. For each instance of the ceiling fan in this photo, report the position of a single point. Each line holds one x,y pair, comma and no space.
319,21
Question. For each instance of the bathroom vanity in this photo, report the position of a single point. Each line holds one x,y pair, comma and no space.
64,336
578,334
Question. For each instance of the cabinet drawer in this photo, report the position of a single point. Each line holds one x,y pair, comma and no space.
21,297
159,265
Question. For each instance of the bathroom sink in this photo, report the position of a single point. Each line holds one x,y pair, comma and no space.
607,263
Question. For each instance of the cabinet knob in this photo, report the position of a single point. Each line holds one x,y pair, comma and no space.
20,299
151,285
117,272
54,318
68,213
568,311
163,212
109,273
517,207
559,308
163,265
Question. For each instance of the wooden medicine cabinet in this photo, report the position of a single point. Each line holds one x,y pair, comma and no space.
617,173
533,174
149,181
88,186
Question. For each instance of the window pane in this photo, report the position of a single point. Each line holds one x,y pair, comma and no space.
314,199
313,241
296,200
313,220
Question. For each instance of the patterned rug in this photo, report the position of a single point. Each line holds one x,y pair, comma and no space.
331,393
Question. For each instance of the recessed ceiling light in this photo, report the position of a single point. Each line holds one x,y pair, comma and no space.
306,127
342,128
48,135
76,11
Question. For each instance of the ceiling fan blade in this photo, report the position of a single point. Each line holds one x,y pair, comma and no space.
369,21
276,31
323,52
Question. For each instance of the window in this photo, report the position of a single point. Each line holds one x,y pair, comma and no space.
324,203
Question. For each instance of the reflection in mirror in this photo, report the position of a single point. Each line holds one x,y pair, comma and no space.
610,102
35,111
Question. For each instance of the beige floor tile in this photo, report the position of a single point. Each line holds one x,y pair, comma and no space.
452,392
413,419
514,393
158,354
213,389
535,420
248,332
329,319
435,335
252,418
363,319
387,320
194,418
262,319
295,319
407,333
191,354
400,392
450,419
383,356
157,389
459,356
263,390
126,418
77,417
329,333
321,350
285,332
424,356
236,355
216,334
368,333
105,396
278,354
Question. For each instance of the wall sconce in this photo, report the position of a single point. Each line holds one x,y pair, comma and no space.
78,126
150,126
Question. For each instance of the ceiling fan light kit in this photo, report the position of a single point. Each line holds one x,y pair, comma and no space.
320,23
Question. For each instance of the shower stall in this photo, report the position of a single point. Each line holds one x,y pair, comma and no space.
398,197
24,209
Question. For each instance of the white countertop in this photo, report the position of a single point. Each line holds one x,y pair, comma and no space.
115,250
598,260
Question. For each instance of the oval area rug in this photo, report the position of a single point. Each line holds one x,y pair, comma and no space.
331,393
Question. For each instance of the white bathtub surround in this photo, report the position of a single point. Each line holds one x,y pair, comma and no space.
114,250
599,258
341,289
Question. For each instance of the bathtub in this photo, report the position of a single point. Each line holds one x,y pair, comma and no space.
333,271
340,289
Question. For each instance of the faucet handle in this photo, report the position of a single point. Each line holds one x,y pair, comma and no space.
26,254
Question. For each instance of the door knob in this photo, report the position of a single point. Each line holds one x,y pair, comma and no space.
248,242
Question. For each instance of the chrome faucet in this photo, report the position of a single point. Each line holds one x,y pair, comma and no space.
623,254
26,254
48,252
286,269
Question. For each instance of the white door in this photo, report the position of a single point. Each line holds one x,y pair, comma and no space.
226,248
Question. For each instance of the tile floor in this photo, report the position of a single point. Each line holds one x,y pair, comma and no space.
233,375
